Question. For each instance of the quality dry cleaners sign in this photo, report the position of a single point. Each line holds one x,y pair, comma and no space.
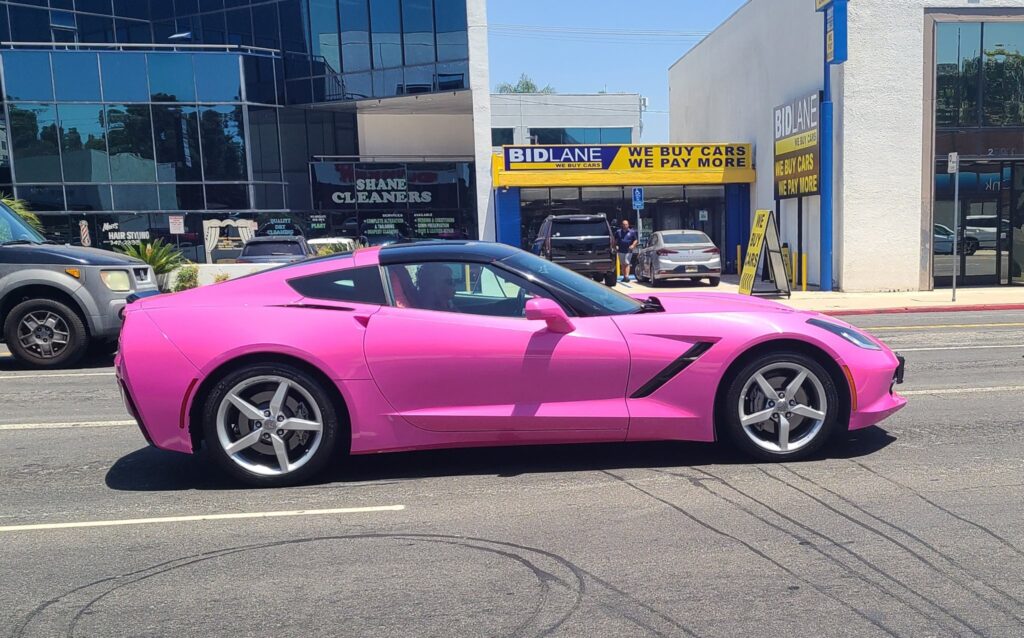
382,191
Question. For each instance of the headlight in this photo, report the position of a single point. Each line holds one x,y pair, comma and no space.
116,280
854,337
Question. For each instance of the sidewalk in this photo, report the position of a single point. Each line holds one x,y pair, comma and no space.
853,303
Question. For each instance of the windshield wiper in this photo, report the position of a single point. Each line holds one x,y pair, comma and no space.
651,304
16,242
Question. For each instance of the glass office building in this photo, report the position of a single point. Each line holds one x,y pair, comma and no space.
129,119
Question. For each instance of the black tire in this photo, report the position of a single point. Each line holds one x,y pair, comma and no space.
714,281
729,410
335,430
78,336
609,279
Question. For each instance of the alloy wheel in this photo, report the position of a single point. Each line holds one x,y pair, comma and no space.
43,333
269,425
782,407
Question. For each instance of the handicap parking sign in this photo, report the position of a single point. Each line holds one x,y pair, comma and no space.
638,198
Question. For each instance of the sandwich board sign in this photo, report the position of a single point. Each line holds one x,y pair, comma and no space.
764,233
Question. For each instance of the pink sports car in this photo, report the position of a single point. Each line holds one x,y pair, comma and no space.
451,344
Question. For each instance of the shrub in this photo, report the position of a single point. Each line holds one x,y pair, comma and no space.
162,256
221,277
20,207
187,278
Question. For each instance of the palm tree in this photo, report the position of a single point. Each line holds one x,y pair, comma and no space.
20,207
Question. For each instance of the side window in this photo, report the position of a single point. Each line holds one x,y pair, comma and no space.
358,285
478,289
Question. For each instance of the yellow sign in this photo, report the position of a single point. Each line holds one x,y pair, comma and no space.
787,261
754,251
821,4
623,165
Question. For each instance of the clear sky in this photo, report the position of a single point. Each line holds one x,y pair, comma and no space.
585,46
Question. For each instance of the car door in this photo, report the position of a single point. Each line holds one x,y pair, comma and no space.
481,366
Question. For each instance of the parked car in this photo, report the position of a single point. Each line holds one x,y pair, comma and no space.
56,301
581,243
983,229
275,249
338,244
459,344
942,242
678,254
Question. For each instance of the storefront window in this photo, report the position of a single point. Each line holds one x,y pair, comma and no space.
89,198
83,143
34,142
130,138
1004,73
182,197
223,139
534,207
177,143
601,200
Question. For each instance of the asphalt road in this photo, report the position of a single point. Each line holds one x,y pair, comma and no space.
912,529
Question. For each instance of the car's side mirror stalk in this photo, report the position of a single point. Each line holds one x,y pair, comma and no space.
539,309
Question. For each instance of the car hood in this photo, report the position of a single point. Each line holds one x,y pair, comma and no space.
714,302
57,255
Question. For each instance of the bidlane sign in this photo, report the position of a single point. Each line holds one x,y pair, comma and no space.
797,148
624,164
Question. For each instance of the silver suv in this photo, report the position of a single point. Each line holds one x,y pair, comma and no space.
56,301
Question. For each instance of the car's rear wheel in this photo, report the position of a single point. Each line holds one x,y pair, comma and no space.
45,333
271,425
714,281
781,406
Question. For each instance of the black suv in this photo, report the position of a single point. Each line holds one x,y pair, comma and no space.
583,243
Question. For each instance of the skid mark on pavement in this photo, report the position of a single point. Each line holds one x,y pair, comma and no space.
951,577
832,542
760,553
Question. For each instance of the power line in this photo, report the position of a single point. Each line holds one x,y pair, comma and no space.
597,31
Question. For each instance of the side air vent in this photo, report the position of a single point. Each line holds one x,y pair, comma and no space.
672,370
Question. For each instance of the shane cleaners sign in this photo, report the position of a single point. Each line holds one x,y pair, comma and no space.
382,191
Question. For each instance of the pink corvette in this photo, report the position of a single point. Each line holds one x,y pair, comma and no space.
452,344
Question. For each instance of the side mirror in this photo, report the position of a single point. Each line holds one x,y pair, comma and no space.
539,309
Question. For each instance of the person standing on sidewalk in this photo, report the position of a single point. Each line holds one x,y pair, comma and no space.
626,240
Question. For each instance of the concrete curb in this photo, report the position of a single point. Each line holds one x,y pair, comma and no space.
917,309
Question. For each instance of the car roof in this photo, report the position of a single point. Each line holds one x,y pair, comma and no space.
680,232
265,238
578,217
445,250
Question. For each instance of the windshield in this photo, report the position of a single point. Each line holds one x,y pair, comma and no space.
271,248
599,299
685,238
581,228
14,228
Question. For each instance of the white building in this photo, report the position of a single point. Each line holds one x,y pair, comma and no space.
559,118
923,78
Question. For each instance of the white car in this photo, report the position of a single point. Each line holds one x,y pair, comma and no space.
678,254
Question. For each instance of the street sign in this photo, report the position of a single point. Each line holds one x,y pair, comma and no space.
764,233
954,163
835,33
177,223
702,215
821,4
638,198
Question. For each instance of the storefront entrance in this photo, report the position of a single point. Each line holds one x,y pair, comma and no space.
990,238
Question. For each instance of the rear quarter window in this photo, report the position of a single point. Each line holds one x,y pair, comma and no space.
358,285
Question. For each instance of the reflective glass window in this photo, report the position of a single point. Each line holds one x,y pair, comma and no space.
133,32
265,26
171,77
41,198
134,8
259,79
185,7
419,79
27,75
223,139
162,31
357,86
616,135
62,20
30,25
34,142
386,38
5,30
96,6
452,76
266,150
502,136
214,28
211,5
294,32
227,197
268,196
239,25
130,140
76,76
452,35
160,9
95,28
83,143
418,28
182,197
176,130
388,82
355,35
217,77
135,197
323,19
1003,73
89,197
958,67
300,91
124,77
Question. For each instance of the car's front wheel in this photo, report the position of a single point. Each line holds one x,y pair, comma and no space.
45,333
781,407
271,425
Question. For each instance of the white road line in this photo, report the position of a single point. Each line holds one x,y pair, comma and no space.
940,326
56,375
201,517
996,347
54,426
1001,388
